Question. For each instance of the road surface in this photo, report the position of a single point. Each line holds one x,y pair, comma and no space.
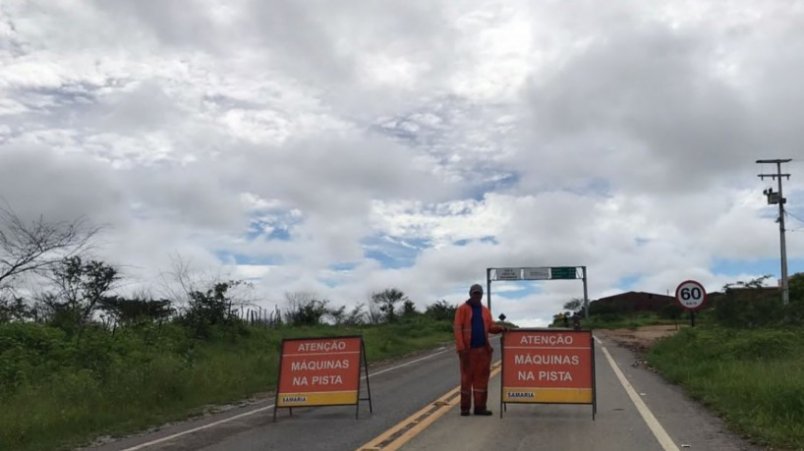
414,403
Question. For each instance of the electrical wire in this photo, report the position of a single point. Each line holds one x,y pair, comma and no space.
787,213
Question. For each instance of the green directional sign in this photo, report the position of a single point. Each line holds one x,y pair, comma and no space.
563,272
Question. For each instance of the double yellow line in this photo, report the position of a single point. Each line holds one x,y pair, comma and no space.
410,427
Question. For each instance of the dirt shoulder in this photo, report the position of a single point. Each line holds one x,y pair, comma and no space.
640,339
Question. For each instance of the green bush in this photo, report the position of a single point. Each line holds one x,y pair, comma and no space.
671,311
441,311
749,311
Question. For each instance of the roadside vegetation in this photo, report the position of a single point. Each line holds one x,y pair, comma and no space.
603,316
744,359
78,360
752,378
58,390
745,362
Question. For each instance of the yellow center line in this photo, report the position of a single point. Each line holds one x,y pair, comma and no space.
410,427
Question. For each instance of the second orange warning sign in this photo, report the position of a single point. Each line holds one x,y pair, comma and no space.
548,366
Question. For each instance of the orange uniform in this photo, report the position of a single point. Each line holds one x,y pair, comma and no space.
475,362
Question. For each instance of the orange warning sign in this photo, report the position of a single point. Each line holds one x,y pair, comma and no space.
319,371
548,366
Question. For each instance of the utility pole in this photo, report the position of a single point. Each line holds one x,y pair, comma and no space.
778,198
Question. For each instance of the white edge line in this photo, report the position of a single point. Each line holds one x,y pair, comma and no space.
258,410
658,431
599,341
196,429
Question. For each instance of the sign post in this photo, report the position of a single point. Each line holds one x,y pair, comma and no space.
692,296
548,366
322,371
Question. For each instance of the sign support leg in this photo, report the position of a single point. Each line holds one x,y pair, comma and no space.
585,294
502,372
488,287
368,385
594,377
278,378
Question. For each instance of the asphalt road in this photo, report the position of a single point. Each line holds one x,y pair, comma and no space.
618,426
397,391
403,388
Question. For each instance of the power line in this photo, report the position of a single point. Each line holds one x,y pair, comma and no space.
794,217
797,229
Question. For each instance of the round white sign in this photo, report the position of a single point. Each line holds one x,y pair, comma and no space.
690,294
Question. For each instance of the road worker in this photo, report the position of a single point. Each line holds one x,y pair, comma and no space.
472,326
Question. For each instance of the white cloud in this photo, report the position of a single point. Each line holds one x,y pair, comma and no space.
296,143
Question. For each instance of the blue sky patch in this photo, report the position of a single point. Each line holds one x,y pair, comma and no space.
627,283
486,239
489,239
760,267
393,252
515,290
275,227
343,266
239,259
499,182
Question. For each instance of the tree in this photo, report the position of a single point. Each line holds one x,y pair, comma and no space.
796,284
36,246
204,299
304,309
759,282
139,309
747,304
338,314
386,300
16,309
81,287
441,311
409,308
374,315
341,317
356,316
560,319
211,307
214,304
574,305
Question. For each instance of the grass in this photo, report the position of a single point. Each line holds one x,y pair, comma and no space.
754,379
57,392
628,321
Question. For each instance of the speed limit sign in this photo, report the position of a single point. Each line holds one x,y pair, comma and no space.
691,295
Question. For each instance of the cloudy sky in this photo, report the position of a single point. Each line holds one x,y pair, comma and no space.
345,147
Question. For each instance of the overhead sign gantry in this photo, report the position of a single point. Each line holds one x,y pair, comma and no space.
538,273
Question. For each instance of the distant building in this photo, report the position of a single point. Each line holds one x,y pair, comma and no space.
632,301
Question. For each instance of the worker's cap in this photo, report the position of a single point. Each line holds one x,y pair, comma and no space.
476,288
